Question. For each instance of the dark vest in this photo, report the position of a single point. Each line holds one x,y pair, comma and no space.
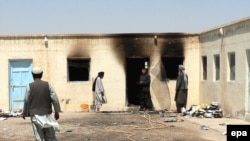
39,102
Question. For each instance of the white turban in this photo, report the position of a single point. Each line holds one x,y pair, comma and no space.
181,67
37,70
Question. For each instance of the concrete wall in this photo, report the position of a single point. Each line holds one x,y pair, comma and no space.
232,95
191,53
107,53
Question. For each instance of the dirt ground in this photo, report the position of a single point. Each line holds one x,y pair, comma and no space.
87,126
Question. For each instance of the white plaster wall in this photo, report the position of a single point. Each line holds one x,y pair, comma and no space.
192,53
102,52
53,60
232,95
102,59
11,50
210,89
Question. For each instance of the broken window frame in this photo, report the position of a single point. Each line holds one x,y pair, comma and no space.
85,62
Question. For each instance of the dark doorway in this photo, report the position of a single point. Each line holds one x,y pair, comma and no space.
133,72
170,65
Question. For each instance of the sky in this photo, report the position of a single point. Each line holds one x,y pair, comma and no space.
117,16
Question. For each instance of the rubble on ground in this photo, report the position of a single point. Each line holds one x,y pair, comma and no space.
13,113
204,110
173,119
203,127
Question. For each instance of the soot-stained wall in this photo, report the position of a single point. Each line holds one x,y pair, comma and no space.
109,53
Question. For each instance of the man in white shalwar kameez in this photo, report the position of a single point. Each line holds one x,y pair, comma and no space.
38,101
100,97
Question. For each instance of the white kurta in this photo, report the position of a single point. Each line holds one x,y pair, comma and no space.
45,121
99,90
44,127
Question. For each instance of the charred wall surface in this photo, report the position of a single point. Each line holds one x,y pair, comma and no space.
71,62
163,52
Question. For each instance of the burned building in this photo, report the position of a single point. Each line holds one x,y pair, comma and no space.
217,63
71,62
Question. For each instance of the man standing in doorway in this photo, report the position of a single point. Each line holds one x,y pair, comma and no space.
38,101
144,95
181,89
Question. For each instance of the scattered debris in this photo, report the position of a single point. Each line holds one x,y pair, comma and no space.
171,126
170,119
13,113
5,129
173,119
161,114
2,119
172,115
208,115
224,124
16,113
183,110
203,127
205,110
154,112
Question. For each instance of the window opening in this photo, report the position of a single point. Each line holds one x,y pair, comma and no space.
204,67
170,67
231,60
78,69
217,67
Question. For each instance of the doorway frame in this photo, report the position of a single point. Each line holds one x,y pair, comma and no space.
126,71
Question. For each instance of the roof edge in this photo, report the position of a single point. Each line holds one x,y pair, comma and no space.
97,35
226,25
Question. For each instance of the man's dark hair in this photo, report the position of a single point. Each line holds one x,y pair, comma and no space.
99,75
37,75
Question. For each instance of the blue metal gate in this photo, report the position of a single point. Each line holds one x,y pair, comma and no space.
20,77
